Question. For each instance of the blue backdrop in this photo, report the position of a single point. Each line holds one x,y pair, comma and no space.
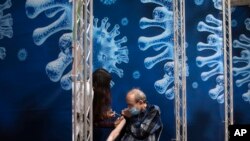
133,39
32,107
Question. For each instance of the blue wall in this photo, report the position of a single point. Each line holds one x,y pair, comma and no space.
35,89
32,107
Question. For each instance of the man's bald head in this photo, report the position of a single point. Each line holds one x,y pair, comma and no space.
136,95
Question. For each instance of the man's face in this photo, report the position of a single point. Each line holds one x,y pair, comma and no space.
131,102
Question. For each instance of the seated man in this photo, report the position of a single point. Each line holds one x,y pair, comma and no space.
140,121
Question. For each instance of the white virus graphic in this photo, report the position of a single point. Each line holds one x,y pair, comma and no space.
108,2
108,52
22,54
195,85
243,71
52,8
198,2
124,21
6,21
136,74
217,4
247,23
165,85
234,23
163,43
2,53
246,96
214,61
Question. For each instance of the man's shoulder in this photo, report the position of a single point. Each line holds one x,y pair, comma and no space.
154,108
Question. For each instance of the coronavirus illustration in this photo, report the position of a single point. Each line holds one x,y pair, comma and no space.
234,23
2,53
217,93
247,23
52,9
246,96
136,74
22,54
195,85
124,21
198,2
242,63
165,85
6,21
108,2
217,4
55,69
108,51
215,60
163,43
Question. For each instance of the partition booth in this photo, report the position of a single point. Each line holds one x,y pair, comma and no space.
169,16
190,57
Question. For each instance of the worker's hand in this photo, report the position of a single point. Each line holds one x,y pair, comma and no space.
118,120
110,114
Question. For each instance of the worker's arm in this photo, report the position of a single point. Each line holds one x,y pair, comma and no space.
115,133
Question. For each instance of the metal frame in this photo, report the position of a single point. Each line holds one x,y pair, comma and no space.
82,97
180,70
240,2
228,78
